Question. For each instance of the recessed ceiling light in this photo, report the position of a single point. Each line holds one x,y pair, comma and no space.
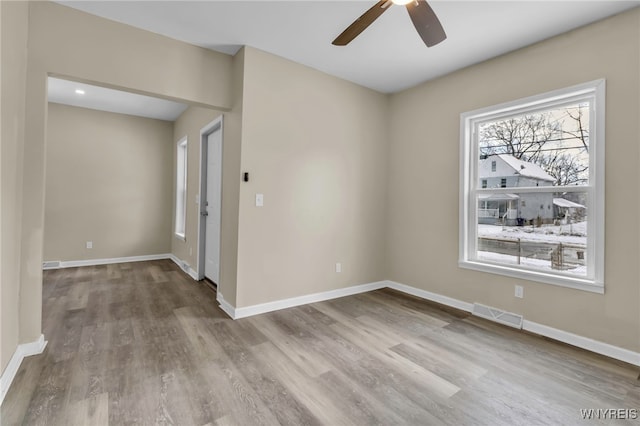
79,92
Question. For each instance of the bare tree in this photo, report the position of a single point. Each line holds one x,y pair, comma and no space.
544,139
565,168
524,137
578,129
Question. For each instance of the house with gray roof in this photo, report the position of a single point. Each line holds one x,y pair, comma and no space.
506,171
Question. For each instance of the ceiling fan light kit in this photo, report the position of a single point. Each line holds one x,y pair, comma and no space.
421,14
401,2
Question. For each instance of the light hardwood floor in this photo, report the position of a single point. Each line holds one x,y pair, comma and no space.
142,343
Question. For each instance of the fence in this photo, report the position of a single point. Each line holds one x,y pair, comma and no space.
495,214
488,213
561,256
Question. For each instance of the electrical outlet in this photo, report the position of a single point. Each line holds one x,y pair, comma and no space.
338,267
89,244
519,292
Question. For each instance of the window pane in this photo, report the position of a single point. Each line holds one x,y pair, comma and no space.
181,188
532,188
545,231
545,148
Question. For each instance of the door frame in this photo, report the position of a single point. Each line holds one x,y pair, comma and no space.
214,126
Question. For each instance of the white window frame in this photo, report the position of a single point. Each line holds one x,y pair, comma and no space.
594,92
181,189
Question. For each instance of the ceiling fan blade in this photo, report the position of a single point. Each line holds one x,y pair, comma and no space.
426,22
360,24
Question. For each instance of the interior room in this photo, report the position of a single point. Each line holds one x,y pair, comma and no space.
281,213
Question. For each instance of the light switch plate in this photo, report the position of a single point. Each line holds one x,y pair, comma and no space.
259,200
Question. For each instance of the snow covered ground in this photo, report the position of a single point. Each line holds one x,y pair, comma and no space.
541,264
575,233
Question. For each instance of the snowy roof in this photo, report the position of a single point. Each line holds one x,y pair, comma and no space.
561,202
524,168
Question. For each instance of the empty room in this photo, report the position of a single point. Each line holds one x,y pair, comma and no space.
320,212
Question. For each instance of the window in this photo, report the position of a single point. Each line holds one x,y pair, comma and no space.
181,188
546,220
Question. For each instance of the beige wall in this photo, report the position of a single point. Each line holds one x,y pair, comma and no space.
13,36
231,174
189,124
343,181
424,179
315,146
68,42
63,41
108,181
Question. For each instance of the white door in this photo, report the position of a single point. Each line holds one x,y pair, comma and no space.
212,206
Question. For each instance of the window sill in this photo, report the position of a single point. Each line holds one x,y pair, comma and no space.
180,237
561,281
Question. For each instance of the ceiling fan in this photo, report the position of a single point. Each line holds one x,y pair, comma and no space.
423,17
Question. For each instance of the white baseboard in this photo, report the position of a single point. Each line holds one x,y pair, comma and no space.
592,345
596,346
93,262
193,274
225,306
184,266
22,351
108,261
583,342
303,300
434,297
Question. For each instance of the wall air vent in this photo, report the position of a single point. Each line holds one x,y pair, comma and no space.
497,315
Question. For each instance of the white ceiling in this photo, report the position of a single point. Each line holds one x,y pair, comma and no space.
103,99
389,56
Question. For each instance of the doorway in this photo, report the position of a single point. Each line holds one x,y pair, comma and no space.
210,201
